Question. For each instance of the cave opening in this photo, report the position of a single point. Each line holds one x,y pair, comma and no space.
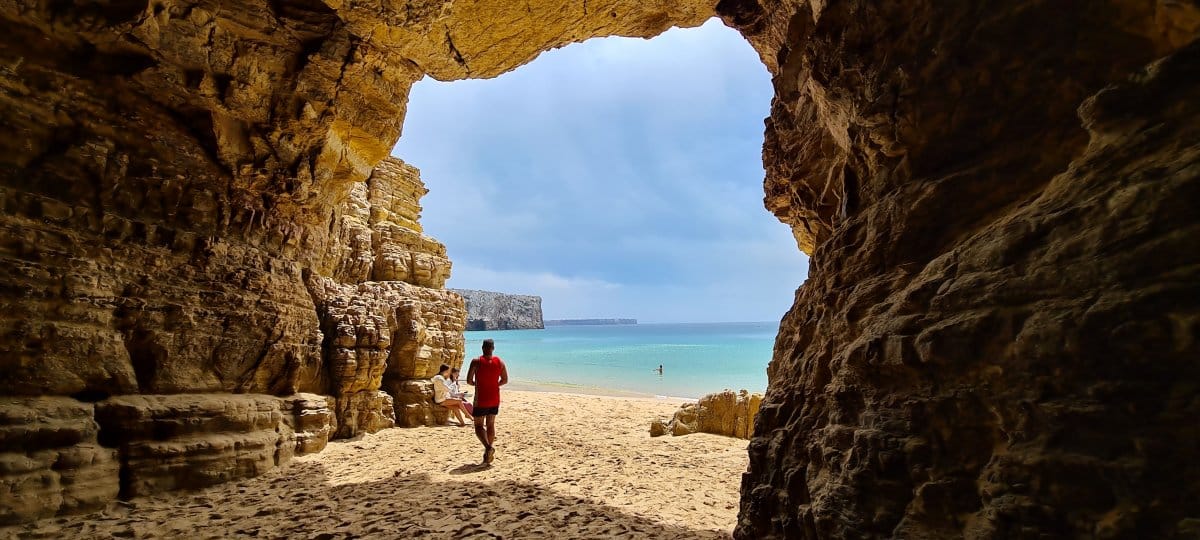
998,338
614,178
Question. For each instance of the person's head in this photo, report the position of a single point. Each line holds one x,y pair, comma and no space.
444,370
488,347
454,373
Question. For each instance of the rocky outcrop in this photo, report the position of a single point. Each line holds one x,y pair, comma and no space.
192,440
50,460
62,455
414,404
383,335
488,310
317,342
379,233
725,413
997,333
309,421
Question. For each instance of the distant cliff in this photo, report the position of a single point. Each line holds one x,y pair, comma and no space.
488,310
588,322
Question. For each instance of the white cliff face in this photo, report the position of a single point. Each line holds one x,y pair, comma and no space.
487,310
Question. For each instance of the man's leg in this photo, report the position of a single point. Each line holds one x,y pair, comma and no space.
490,452
481,432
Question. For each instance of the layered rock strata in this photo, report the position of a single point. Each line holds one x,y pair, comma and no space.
386,335
725,413
196,198
487,310
192,440
997,338
309,420
50,459
62,455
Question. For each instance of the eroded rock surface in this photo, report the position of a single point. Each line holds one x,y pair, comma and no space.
50,460
413,403
311,422
998,334
997,338
192,440
197,205
725,413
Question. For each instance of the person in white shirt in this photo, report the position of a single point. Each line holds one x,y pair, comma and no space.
449,396
456,393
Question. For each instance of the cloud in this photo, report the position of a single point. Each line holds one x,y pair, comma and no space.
618,177
526,283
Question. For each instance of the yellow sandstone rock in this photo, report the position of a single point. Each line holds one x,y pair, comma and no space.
726,413
997,198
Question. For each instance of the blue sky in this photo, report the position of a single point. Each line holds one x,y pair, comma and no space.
619,177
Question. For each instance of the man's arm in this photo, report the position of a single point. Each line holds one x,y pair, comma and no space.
471,374
503,373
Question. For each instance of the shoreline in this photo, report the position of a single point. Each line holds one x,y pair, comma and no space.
592,391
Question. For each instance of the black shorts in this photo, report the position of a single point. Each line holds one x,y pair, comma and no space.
486,411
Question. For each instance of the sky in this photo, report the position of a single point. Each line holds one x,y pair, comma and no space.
619,177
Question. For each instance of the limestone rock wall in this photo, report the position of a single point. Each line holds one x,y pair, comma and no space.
402,253
725,413
50,459
61,455
380,334
487,310
196,198
379,235
413,403
309,420
997,338
192,440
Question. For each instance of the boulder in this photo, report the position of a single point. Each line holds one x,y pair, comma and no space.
367,411
726,413
311,419
415,406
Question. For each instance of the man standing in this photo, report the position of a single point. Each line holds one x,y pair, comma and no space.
487,374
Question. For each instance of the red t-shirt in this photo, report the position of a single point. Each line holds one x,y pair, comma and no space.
487,381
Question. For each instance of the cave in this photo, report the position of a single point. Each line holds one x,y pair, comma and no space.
200,226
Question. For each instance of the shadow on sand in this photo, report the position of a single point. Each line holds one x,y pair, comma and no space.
470,468
302,501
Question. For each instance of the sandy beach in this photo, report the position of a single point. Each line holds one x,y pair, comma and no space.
567,466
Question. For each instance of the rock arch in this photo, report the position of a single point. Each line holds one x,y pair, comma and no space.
998,336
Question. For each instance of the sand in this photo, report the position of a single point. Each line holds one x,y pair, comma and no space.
567,466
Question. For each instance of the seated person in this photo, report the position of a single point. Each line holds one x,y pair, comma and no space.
443,396
455,393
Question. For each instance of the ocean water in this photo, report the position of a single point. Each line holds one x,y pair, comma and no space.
697,358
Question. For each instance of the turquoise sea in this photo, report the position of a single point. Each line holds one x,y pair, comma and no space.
697,358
